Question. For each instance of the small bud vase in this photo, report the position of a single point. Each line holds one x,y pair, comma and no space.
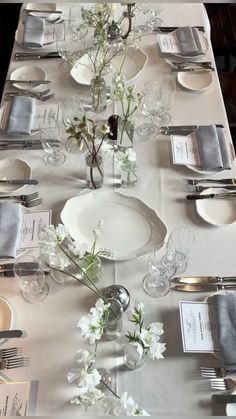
94,170
133,359
129,175
98,91
92,268
114,321
125,133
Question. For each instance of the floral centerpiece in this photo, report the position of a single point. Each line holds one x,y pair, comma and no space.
85,131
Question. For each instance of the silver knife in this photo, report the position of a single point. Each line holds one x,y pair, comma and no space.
29,56
202,288
11,334
33,82
203,279
193,69
10,266
20,181
194,197
51,12
224,398
173,28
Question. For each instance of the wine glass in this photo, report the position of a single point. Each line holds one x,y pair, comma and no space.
70,48
52,143
143,28
179,248
155,21
71,108
157,281
78,29
168,87
31,279
150,107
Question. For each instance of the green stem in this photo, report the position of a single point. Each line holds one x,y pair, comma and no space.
110,389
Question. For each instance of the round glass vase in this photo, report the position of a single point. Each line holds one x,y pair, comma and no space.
133,359
129,175
125,133
94,170
113,325
92,266
98,92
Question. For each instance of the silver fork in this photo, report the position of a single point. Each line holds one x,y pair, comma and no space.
31,204
217,372
25,198
225,181
9,353
223,383
14,363
28,92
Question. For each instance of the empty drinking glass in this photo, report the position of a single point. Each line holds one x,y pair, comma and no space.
52,143
155,21
179,247
31,279
150,108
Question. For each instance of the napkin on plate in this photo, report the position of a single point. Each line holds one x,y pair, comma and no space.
21,117
10,226
213,148
33,36
225,314
189,41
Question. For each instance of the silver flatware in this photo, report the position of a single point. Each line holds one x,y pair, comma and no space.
222,383
182,129
193,70
193,197
6,334
49,12
202,288
28,92
33,82
203,279
42,98
21,145
14,363
173,28
9,353
223,398
20,181
228,181
217,372
31,204
28,197
195,63
203,188
21,56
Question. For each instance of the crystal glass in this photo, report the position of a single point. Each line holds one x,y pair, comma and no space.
129,175
125,133
150,108
157,281
155,21
143,28
168,87
78,29
31,279
52,143
70,48
92,267
179,248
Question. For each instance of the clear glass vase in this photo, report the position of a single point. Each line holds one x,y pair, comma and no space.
129,175
98,91
94,170
92,267
133,359
125,133
114,321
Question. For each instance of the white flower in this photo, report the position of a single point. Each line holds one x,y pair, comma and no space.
131,155
89,398
150,338
156,349
91,327
84,358
125,406
105,129
156,328
136,311
77,249
88,380
124,160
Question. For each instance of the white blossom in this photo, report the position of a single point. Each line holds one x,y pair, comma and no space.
89,398
125,406
156,349
91,327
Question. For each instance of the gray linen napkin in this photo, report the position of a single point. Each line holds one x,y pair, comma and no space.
213,148
225,314
21,116
189,41
33,36
10,225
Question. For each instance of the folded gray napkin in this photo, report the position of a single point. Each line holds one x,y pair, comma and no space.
10,226
189,41
21,117
213,148
33,36
225,314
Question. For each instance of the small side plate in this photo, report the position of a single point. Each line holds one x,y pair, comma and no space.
13,169
218,212
195,82
28,72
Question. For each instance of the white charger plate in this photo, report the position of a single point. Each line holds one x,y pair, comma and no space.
6,316
28,72
131,228
218,212
133,65
13,169
194,81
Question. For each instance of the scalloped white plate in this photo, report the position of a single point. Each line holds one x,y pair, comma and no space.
131,228
217,211
231,407
13,169
194,81
28,72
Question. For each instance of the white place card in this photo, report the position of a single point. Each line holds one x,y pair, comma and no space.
46,115
198,327
34,225
185,150
14,398
54,32
169,42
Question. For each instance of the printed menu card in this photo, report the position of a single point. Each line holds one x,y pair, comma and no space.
14,398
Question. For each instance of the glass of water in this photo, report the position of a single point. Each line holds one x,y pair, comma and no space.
179,248
51,139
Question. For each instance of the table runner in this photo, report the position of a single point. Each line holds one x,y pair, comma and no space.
165,387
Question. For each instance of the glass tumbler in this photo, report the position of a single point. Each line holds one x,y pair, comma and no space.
31,279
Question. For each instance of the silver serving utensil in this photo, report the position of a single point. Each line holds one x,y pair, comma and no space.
33,82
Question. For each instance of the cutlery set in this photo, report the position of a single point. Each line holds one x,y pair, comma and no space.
20,145
28,201
22,56
203,283
7,270
42,96
9,357
166,29
218,382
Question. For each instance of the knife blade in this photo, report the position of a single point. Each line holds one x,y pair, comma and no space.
203,279
224,398
196,196
173,28
36,146
51,12
10,334
20,181
193,70
174,128
202,288
29,56
33,82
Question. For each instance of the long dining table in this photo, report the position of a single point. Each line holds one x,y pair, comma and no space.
167,387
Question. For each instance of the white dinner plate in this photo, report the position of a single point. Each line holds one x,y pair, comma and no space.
6,316
13,169
231,407
134,63
194,81
131,228
218,212
49,7
28,72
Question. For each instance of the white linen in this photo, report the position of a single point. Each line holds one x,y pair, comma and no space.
166,387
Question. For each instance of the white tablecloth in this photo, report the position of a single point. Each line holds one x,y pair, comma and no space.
167,387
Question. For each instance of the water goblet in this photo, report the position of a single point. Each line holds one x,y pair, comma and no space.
179,247
151,108
52,143
155,21
168,86
157,281
143,28
31,279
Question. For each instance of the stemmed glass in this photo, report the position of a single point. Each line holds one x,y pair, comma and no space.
70,48
155,21
71,108
150,107
168,86
52,143
143,28
31,279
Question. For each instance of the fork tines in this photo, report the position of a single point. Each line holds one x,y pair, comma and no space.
10,352
209,372
218,384
17,362
33,203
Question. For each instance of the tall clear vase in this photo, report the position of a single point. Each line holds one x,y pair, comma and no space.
125,133
94,170
98,91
